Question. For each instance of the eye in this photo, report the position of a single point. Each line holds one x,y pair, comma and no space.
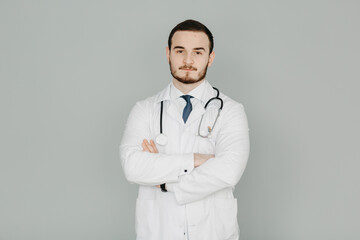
179,51
198,53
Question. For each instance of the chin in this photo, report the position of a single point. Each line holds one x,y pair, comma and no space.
188,81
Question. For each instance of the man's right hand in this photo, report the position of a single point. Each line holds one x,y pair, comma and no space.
200,158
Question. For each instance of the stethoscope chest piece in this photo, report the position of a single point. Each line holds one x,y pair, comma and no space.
161,139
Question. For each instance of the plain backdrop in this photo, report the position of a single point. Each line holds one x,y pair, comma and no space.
71,71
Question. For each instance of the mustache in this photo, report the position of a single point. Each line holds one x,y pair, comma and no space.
188,67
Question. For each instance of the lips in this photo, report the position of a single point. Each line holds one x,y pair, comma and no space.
188,69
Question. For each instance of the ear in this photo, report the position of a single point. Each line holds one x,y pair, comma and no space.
211,58
168,54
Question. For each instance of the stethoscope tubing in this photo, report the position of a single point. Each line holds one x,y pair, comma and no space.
161,116
214,98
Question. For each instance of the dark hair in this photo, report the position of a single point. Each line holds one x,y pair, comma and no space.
192,25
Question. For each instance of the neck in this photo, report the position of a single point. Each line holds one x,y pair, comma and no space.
186,88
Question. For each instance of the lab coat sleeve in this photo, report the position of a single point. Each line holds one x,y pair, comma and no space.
225,169
143,167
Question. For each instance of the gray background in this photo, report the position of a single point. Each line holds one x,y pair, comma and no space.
71,71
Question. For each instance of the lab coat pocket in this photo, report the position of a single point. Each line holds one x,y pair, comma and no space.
225,218
147,219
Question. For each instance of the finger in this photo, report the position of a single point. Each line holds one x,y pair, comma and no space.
153,145
145,147
150,147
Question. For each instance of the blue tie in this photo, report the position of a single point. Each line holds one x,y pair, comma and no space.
188,107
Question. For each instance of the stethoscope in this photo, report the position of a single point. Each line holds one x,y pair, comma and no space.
161,139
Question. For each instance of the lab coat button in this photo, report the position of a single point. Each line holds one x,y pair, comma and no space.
185,170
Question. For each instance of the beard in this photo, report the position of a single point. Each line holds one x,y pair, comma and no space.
187,79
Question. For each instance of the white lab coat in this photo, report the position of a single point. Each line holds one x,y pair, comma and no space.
199,203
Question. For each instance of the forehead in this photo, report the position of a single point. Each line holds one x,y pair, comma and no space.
190,39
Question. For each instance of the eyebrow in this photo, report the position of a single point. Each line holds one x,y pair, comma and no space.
198,48
179,47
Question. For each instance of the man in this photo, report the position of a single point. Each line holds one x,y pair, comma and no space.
185,158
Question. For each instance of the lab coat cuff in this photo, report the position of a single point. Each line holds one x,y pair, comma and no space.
188,164
170,187
174,188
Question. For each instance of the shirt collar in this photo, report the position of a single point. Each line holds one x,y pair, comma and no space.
196,92
203,92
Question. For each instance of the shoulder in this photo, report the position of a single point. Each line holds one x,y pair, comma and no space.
151,102
233,114
230,104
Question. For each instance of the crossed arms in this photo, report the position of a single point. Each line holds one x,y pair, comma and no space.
199,158
142,164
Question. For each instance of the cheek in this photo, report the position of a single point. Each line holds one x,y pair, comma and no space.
176,62
203,63
203,60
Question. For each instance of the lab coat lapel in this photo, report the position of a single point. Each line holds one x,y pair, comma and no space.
197,111
173,112
169,105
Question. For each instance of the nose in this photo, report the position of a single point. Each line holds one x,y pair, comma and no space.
188,60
